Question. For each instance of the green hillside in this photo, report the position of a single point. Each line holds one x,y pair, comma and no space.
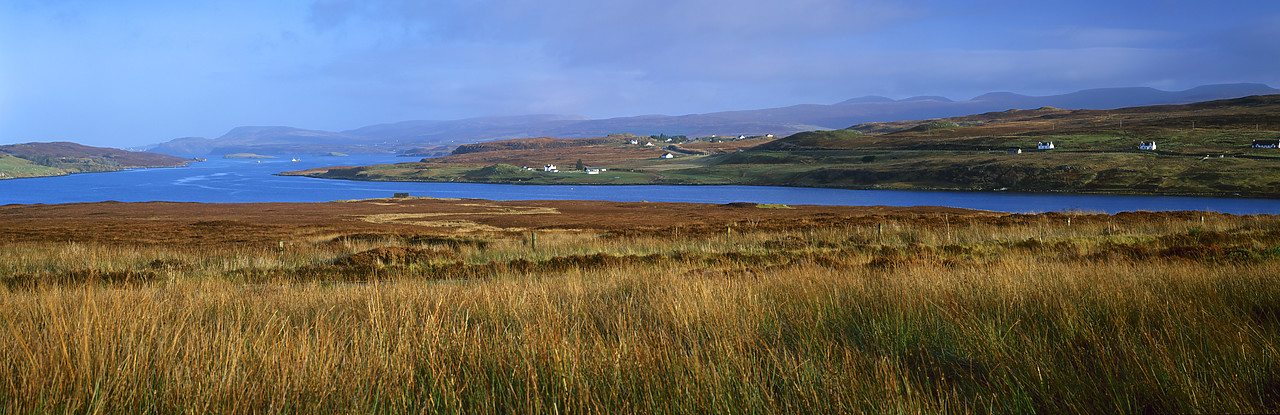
58,159
1202,149
12,167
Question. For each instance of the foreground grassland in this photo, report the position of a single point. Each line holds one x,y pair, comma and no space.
887,312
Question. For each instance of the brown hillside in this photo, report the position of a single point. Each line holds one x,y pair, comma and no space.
66,150
538,143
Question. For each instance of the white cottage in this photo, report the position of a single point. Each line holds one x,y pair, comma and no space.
1048,145
550,168
1147,145
668,156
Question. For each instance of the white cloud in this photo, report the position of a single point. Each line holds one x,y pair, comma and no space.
1097,37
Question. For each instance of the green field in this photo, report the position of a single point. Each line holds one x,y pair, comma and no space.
63,158
14,167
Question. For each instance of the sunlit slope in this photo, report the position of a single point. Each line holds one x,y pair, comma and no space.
1202,149
62,158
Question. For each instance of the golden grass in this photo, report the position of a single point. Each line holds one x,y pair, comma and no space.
1172,314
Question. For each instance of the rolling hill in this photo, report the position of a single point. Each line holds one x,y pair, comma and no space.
62,158
404,136
1203,149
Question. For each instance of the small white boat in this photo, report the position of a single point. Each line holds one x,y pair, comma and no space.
295,160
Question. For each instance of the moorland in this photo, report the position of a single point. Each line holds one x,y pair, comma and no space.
1203,149
412,305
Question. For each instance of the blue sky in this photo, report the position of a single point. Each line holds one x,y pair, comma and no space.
124,73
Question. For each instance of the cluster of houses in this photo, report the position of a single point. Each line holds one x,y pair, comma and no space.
1043,145
552,168
1150,145
1143,145
685,139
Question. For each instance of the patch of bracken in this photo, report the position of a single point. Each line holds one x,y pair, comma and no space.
452,242
785,244
169,265
1193,252
824,261
226,225
393,255
1196,236
84,276
1113,250
887,262
732,273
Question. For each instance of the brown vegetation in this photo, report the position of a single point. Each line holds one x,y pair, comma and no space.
605,307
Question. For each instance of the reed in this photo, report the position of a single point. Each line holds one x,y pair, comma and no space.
1020,314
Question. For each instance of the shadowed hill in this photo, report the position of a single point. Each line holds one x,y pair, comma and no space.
538,143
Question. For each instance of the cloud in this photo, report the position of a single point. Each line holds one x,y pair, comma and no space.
603,59
624,34
149,68
1096,37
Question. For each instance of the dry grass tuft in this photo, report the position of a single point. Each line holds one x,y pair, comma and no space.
1018,313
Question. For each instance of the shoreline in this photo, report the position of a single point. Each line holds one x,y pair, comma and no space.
68,173
1223,195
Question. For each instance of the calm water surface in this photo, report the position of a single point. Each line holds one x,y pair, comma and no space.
239,180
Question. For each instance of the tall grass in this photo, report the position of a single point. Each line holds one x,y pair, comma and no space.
970,316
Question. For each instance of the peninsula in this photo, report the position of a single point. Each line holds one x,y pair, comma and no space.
63,158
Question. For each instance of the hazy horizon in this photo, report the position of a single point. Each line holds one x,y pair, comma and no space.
130,73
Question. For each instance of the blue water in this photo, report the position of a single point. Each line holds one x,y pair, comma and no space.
239,180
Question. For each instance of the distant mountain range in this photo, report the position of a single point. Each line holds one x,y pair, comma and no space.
416,135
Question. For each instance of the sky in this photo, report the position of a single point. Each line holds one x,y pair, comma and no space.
134,72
